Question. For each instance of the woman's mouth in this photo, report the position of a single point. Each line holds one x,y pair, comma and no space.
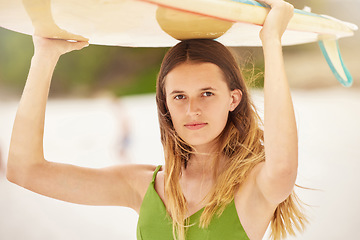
195,126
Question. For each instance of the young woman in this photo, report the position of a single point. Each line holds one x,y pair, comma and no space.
224,177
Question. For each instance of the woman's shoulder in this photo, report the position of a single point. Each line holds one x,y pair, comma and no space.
141,175
138,178
140,172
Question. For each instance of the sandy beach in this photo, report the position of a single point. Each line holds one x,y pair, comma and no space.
86,132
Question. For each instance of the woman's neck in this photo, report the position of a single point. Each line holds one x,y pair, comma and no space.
202,165
199,163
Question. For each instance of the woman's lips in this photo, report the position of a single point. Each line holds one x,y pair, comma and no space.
195,126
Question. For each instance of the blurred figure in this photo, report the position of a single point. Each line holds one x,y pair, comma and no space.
2,165
123,139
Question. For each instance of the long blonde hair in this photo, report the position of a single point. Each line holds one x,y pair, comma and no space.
241,142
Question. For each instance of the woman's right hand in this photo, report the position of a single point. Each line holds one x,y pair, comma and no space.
55,47
277,20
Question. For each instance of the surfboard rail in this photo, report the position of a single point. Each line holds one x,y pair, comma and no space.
253,12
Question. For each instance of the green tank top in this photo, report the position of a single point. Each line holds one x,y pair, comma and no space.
155,223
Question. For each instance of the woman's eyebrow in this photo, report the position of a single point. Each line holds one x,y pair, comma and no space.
208,88
202,89
176,92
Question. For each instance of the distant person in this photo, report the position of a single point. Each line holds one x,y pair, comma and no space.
225,176
2,167
123,138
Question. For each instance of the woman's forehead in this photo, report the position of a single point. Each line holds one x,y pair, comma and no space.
194,76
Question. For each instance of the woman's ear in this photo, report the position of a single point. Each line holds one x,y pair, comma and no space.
236,96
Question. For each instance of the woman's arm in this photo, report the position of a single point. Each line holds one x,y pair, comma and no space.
27,166
277,176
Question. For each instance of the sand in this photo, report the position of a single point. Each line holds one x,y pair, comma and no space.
86,132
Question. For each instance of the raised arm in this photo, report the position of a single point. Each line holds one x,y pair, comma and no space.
27,137
277,176
27,166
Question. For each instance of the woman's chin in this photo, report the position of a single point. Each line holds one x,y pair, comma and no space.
202,146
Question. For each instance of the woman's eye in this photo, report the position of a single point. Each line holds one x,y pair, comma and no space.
179,97
207,94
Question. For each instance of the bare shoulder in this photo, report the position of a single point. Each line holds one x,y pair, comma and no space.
138,177
135,170
159,183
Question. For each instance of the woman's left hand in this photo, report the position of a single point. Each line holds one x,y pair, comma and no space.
55,47
277,20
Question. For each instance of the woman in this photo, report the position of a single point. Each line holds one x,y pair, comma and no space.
223,177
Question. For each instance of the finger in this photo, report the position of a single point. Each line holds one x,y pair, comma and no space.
77,45
272,3
262,2
81,45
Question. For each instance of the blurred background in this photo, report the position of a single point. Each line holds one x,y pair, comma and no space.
102,110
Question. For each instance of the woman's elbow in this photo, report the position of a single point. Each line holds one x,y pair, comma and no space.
11,176
285,169
21,164
12,172
16,173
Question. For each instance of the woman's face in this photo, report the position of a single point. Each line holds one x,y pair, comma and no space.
199,101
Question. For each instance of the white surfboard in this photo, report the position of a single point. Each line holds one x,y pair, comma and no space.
161,23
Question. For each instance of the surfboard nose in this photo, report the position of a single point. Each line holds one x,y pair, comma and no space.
331,51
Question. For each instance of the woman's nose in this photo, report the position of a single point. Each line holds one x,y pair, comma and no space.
193,107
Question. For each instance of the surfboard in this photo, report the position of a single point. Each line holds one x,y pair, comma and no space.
162,23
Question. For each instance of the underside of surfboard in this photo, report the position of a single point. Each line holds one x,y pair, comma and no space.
162,23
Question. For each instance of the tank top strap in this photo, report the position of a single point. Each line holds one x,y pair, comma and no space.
155,173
